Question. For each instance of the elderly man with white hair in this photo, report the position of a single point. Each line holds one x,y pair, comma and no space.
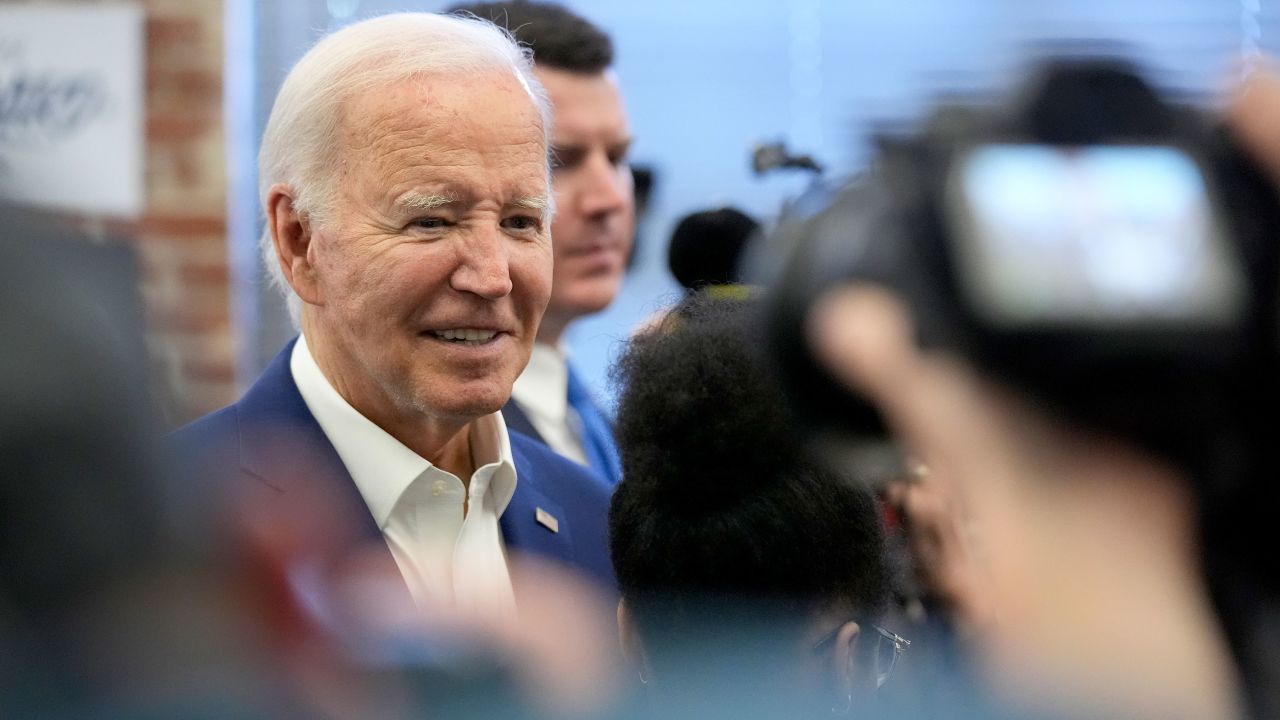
405,181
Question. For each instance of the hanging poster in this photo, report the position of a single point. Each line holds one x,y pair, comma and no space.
72,107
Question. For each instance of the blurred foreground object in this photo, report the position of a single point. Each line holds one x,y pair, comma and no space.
1068,306
110,604
79,467
1105,251
768,157
1252,116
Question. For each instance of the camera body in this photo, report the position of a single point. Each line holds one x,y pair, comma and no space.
1108,253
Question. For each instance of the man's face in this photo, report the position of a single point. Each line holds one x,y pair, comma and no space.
433,271
595,208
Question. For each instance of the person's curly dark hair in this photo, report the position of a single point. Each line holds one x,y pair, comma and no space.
717,504
559,38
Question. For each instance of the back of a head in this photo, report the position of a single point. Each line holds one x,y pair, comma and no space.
558,37
707,247
298,146
719,527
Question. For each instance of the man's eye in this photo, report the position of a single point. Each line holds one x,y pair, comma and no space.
430,223
521,222
565,158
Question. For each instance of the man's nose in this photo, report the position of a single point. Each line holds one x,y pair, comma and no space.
482,266
606,187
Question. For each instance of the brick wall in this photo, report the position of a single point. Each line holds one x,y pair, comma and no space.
181,239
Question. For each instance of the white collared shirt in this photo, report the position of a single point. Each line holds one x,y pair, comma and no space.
446,554
542,392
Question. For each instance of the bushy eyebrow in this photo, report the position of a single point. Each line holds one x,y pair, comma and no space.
537,203
414,201
541,204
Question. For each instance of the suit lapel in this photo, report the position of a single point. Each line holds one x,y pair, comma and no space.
283,446
517,420
524,528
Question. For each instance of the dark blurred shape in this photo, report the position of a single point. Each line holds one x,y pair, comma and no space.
643,178
768,157
1034,239
82,501
91,543
707,246
1076,323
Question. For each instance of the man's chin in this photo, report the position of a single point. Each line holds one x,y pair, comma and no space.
467,404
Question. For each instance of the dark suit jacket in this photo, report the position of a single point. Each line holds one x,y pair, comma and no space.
270,439
517,420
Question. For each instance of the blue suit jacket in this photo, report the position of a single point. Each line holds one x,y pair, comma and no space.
518,420
270,440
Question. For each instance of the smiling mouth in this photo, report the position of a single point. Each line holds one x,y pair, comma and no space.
465,336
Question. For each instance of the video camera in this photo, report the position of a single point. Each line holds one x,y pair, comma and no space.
1107,252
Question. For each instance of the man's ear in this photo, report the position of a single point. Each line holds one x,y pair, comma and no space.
291,233
632,645
848,678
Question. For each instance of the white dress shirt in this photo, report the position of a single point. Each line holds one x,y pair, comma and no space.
448,551
542,392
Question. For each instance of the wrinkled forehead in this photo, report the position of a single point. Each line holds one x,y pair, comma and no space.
483,131
492,106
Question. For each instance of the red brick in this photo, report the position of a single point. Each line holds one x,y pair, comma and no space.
185,85
162,31
182,240
177,321
168,227
205,274
176,127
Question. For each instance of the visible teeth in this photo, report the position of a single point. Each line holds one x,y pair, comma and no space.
469,335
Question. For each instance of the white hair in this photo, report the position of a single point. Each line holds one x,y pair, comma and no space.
299,145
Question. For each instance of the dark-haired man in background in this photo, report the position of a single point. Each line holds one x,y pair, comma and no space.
594,224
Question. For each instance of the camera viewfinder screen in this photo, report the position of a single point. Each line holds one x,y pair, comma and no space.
1094,235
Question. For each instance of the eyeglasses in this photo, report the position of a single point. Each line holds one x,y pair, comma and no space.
889,647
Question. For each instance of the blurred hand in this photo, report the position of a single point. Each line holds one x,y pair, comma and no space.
940,409
944,547
1054,504
1254,113
977,439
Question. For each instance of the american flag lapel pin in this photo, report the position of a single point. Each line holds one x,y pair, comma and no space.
547,520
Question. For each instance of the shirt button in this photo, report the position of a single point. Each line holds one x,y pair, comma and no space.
437,488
